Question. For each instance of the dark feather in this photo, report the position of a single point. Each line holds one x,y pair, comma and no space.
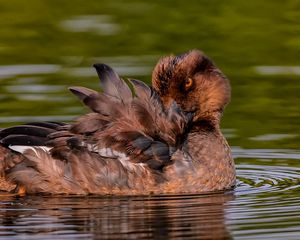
58,123
52,125
23,140
112,84
159,155
160,149
26,130
141,143
155,164
74,142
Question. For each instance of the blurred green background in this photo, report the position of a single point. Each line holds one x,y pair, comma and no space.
48,45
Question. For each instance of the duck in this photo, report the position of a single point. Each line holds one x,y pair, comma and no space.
136,139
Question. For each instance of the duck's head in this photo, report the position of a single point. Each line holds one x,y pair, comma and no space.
195,83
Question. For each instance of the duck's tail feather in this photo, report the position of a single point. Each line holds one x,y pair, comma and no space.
14,139
30,134
39,172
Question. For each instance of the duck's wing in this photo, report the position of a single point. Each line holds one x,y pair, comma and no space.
138,126
126,135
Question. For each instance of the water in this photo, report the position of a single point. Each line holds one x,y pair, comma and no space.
46,46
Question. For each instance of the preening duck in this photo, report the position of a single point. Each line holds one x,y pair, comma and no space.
152,140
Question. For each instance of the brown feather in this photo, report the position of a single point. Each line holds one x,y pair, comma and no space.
82,93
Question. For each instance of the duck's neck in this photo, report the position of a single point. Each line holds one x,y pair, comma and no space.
206,143
209,150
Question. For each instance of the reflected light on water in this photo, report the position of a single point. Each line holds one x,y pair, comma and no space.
126,70
278,70
23,119
34,88
28,69
271,137
99,24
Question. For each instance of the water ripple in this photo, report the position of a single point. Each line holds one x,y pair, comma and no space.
239,152
255,179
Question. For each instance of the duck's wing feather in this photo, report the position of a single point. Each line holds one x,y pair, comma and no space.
139,127
112,84
124,133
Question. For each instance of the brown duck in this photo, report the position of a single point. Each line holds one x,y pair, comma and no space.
157,140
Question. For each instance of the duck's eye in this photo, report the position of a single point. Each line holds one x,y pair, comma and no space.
188,84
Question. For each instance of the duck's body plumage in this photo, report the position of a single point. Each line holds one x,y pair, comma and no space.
148,142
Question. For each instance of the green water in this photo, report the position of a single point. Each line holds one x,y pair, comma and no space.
46,46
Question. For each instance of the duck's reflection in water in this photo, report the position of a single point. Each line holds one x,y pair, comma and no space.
161,217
